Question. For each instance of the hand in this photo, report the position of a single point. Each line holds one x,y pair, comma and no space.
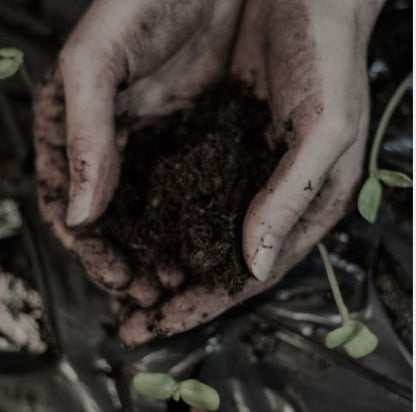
164,52
312,68
308,58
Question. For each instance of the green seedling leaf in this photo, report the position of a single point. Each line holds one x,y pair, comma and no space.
10,62
339,336
362,342
199,395
394,179
369,199
12,53
155,385
8,68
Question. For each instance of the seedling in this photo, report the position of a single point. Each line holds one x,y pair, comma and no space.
354,336
11,61
10,219
162,386
370,195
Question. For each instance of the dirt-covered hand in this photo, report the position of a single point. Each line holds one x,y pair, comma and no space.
308,59
133,60
147,58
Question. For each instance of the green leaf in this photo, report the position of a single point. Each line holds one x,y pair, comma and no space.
12,53
199,395
339,336
8,68
369,199
10,62
362,342
155,385
394,179
7,230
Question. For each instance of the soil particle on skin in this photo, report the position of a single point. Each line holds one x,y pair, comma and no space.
186,184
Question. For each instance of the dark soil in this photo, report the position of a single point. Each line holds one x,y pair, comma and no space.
206,164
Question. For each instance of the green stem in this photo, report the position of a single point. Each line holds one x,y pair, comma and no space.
343,311
384,121
26,79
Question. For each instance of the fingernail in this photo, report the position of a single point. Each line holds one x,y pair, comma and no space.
266,253
79,208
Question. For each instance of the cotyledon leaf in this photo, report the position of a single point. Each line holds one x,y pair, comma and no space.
394,179
154,385
369,199
339,336
199,395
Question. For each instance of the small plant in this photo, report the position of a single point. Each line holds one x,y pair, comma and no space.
10,219
162,387
11,61
354,336
370,195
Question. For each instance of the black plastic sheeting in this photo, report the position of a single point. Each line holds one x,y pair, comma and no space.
267,355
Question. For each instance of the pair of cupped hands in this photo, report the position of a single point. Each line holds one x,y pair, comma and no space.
139,60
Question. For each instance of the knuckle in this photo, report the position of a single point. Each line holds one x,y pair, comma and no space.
290,210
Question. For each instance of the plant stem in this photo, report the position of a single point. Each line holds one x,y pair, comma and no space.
26,79
384,121
343,311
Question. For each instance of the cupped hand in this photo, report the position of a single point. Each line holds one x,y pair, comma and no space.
306,57
134,60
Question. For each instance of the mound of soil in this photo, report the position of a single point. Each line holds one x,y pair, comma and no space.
186,184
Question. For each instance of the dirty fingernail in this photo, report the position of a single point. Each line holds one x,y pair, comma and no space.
266,253
79,208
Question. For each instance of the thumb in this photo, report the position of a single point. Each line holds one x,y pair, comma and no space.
278,207
94,161
312,65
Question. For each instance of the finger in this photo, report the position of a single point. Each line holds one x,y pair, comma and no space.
52,184
145,290
137,327
94,161
49,110
277,207
102,261
191,308
98,257
50,162
316,111
331,204
340,189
